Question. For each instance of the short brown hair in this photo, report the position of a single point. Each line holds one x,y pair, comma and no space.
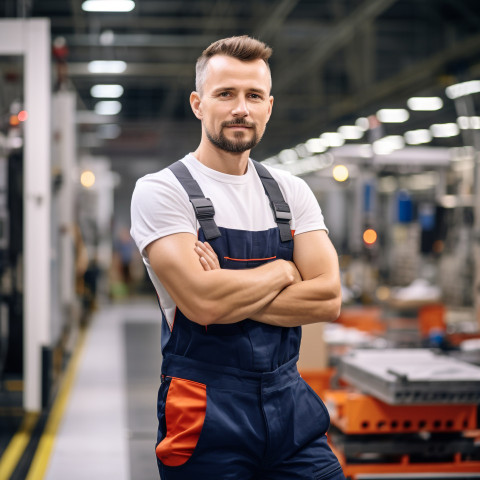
243,48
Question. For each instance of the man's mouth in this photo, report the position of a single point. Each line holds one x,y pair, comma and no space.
238,125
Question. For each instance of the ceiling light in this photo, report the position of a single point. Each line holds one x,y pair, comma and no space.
388,144
107,37
108,5
302,150
393,115
444,130
108,107
87,178
351,132
466,123
462,89
363,123
340,173
332,139
417,137
316,145
106,91
426,104
463,122
109,131
288,155
107,66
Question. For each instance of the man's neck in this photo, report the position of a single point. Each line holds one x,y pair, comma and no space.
220,160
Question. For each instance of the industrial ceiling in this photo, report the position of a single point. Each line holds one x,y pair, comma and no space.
333,62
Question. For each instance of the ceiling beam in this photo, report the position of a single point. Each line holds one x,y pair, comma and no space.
269,28
156,23
340,35
416,75
141,40
80,69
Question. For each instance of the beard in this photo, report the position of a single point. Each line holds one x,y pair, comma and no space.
238,145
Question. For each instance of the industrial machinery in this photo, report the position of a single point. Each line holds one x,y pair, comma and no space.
406,413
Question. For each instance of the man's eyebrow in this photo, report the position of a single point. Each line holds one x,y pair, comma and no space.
258,90
254,90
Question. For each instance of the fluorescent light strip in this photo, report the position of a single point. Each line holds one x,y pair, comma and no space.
106,91
108,107
316,145
444,130
467,123
425,104
462,89
107,66
417,137
393,115
109,131
332,139
351,132
108,5
388,144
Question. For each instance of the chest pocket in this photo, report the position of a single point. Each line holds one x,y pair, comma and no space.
240,264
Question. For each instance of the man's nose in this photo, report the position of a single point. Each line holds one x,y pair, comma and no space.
240,109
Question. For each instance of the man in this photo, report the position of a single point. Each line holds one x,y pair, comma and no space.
232,404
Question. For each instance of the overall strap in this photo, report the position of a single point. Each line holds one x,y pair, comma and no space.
280,207
203,206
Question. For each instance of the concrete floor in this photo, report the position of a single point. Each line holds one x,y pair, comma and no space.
109,426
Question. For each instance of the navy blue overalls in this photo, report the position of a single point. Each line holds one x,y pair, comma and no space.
232,404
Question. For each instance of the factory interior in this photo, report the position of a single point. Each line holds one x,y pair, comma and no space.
377,108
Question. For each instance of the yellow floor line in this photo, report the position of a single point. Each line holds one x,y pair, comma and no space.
41,459
17,445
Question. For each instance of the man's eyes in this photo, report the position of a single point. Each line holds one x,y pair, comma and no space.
253,96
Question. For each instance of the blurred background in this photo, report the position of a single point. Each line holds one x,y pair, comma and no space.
377,107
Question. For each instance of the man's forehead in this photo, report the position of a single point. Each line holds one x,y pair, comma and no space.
223,67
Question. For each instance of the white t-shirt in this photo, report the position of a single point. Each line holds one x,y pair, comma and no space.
160,207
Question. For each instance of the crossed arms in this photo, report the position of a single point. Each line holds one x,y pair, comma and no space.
279,293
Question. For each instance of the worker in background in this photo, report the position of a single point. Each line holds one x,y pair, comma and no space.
240,259
124,248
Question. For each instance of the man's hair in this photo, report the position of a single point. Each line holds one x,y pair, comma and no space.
243,48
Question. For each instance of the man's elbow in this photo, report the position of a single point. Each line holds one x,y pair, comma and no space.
329,311
205,313
335,308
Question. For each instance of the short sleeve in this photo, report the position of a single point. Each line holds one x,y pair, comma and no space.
306,210
159,207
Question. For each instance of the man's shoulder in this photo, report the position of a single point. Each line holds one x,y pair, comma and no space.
159,177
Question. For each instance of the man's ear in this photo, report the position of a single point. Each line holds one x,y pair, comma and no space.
270,101
196,104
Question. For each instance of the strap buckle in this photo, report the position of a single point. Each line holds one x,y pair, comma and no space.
203,208
282,212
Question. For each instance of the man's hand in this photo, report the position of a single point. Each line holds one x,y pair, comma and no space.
209,260
207,256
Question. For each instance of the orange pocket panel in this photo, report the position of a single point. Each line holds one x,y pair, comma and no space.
184,415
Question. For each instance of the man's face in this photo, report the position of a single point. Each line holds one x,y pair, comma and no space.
236,104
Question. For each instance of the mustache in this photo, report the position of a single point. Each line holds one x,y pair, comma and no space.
238,121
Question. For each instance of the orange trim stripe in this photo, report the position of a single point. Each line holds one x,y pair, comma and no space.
248,259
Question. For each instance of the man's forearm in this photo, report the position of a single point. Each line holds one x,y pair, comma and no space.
229,296
310,301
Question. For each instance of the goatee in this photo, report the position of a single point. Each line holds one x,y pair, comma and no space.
234,146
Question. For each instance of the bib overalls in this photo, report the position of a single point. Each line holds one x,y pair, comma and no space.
231,405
